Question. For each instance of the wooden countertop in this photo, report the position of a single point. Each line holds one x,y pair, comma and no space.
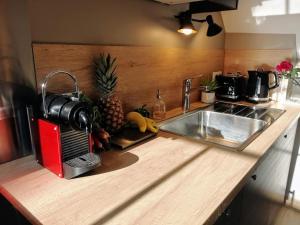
167,180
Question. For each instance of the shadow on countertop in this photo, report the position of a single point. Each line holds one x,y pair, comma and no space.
114,160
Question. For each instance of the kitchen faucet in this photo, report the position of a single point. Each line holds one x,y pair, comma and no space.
186,91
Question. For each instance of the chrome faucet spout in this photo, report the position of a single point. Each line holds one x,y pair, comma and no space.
186,91
186,104
187,86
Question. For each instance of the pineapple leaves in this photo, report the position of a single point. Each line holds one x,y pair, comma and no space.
105,73
114,82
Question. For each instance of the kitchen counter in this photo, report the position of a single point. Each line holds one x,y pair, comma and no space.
167,180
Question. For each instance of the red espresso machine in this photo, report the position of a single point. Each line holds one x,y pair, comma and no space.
64,130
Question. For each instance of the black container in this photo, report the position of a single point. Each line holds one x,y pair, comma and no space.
63,109
231,87
259,85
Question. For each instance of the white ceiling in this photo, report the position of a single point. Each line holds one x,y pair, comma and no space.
264,16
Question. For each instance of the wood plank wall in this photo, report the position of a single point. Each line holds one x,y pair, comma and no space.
242,60
141,70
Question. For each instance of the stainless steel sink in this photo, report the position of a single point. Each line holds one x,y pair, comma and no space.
223,128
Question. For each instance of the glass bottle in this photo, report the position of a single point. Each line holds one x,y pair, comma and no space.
159,109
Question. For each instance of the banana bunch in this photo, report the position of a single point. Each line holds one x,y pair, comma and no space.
142,122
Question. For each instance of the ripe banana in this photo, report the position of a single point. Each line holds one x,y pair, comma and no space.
138,119
151,125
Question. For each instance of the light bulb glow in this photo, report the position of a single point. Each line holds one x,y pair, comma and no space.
187,31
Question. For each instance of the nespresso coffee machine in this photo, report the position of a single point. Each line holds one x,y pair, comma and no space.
64,129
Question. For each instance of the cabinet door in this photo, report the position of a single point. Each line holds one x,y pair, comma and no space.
9,215
264,194
231,216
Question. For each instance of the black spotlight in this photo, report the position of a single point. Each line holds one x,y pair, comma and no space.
213,28
187,27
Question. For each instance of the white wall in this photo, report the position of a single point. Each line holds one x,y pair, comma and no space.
265,16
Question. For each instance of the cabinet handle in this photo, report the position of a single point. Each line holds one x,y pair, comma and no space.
254,177
285,136
228,213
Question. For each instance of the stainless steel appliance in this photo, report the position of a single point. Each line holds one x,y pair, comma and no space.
259,85
231,87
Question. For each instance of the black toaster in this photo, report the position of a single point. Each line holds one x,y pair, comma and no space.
231,87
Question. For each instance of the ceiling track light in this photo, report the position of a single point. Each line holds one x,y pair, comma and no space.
187,27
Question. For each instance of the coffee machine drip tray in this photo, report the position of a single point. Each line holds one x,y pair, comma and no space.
79,165
76,154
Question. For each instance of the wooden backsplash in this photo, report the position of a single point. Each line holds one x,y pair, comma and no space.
242,60
141,70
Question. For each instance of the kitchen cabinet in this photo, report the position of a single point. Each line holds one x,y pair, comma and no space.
9,215
265,192
200,6
232,214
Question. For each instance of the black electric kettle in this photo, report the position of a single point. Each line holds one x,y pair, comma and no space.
259,85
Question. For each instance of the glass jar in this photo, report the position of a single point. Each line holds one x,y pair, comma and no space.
293,90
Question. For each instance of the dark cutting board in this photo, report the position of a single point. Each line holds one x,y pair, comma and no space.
130,136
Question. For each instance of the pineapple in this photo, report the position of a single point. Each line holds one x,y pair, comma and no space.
109,103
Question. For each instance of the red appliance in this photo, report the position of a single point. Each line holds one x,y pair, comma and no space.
64,133
65,151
